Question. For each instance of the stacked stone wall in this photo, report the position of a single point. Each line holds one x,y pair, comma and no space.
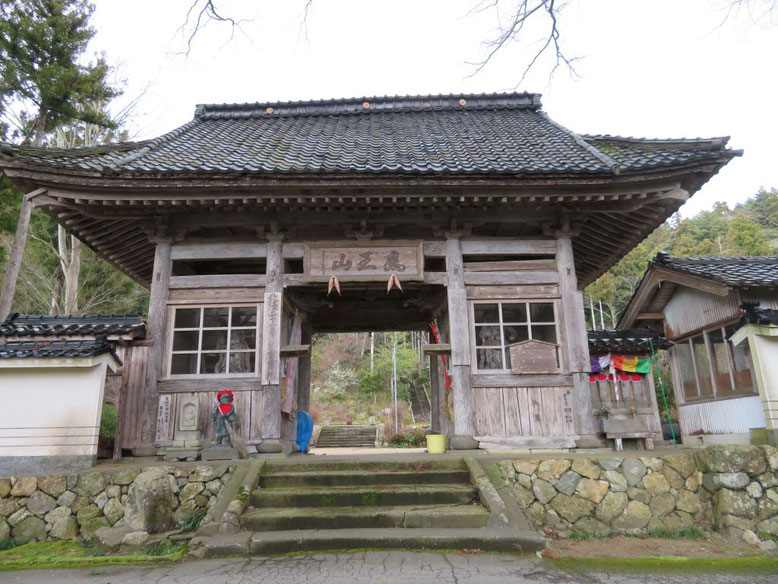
66,507
732,489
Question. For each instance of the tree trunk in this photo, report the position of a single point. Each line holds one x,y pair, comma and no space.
69,249
40,127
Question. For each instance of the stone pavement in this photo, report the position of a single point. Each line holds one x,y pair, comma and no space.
364,568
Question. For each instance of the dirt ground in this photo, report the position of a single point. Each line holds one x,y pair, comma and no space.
714,546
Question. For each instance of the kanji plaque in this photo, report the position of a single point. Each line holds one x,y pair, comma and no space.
365,261
533,356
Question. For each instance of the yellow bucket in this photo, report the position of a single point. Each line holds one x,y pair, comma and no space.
436,443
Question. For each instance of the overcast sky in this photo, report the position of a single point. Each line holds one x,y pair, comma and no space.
658,68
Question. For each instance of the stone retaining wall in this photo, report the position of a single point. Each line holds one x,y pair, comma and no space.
66,507
733,489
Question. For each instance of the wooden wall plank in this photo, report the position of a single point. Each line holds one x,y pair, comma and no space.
219,250
208,295
522,396
218,281
511,411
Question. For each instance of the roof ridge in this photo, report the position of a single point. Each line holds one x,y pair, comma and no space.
716,142
370,104
601,156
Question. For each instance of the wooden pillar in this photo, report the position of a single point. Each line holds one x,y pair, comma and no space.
575,348
15,258
271,345
459,338
435,412
304,368
155,331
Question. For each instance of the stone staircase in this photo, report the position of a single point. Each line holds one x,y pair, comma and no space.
294,505
420,404
347,437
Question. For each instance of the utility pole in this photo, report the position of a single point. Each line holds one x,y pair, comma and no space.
372,351
591,311
394,384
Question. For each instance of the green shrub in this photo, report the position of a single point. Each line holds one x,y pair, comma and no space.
7,544
192,522
108,421
160,548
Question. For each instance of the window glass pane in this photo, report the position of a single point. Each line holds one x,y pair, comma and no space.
686,367
243,339
242,362
489,358
720,361
544,333
213,363
541,312
742,363
702,360
183,364
185,340
214,340
485,313
488,336
514,333
244,316
215,317
514,312
187,318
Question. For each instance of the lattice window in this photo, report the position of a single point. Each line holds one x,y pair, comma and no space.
499,324
214,340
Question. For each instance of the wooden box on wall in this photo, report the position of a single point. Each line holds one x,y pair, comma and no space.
532,357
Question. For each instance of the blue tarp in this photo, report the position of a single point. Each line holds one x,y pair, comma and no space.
304,430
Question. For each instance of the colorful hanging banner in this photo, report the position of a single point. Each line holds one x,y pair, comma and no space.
599,363
632,364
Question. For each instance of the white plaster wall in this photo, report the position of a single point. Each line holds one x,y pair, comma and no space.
51,411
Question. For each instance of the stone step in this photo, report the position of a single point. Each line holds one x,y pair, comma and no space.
363,496
305,464
282,519
359,477
273,542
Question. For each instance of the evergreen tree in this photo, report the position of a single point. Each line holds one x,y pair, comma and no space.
43,81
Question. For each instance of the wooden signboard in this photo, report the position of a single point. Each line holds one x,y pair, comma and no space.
364,261
531,357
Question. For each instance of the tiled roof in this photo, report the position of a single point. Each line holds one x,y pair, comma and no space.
755,315
424,135
56,349
18,325
733,271
626,340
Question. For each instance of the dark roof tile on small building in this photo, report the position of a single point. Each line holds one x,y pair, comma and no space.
497,134
733,271
636,340
56,349
23,325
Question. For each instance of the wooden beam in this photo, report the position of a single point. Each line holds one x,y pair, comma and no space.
17,251
436,349
459,337
575,346
650,316
295,350
155,330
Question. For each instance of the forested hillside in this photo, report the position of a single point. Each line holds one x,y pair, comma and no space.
748,229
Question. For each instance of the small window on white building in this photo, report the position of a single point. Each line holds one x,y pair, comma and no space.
214,340
499,324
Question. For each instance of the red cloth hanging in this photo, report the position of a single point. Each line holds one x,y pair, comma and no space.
637,377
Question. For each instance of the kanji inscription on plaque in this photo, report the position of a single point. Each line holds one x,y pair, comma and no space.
365,261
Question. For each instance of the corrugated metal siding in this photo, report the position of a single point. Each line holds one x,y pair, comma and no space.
689,310
731,416
767,298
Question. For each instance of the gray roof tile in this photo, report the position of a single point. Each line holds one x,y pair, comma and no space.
22,325
423,135
733,271
56,349
637,340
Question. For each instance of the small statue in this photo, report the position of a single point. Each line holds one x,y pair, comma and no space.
222,413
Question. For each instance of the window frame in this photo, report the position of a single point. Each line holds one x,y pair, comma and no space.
718,393
171,328
554,302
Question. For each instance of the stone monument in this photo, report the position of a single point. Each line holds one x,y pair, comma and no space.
186,442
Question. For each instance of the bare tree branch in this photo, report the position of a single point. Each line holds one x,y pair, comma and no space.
202,12
525,13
